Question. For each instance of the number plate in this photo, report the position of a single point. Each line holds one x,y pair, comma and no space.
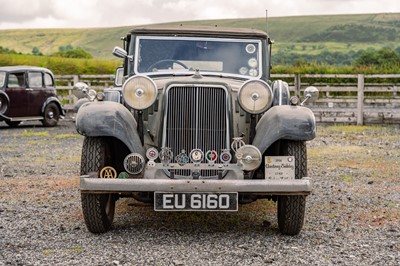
166,201
279,167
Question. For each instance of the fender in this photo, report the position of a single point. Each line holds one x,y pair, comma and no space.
79,103
58,103
109,119
284,122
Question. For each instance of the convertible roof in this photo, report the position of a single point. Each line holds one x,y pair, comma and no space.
200,31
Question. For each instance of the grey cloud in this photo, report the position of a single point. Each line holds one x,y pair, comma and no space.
21,11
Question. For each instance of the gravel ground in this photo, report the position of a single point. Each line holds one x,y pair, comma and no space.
353,215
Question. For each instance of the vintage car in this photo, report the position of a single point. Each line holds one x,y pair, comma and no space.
195,123
28,93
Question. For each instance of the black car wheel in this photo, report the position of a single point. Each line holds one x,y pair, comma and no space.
291,209
98,209
51,115
3,103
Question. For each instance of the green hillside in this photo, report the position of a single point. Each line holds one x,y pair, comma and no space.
302,34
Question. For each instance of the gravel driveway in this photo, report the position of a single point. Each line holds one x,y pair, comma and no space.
353,215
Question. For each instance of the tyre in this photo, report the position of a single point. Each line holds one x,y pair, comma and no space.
98,209
291,209
51,115
12,123
3,103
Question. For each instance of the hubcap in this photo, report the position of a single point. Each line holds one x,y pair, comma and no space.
50,114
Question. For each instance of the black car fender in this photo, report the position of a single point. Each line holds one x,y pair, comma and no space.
284,122
109,119
56,101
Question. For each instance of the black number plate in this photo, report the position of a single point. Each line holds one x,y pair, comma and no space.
166,201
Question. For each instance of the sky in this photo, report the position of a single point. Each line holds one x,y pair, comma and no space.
23,14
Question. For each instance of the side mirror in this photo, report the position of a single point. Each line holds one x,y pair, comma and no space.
119,77
119,52
310,95
80,90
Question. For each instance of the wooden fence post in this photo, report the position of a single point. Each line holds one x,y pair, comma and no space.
360,100
297,85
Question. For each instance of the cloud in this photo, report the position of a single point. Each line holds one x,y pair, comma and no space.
106,13
22,11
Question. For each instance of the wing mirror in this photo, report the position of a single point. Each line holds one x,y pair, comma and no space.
310,95
119,52
81,90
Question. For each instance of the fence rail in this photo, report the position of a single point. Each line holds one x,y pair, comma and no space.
344,98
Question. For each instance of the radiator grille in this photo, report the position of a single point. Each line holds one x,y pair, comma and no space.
196,118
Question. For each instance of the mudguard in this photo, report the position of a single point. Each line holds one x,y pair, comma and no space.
284,122
57,102
109,119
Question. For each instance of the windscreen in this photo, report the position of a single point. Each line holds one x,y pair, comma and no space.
157,55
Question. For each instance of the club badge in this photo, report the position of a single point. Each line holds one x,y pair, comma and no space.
196,156
108,172
182,158
211,156
166,155
225,156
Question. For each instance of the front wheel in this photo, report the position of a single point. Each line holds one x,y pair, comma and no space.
51,115
98,209
291,209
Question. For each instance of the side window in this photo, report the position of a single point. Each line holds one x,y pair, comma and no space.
16,80
48,80
35,80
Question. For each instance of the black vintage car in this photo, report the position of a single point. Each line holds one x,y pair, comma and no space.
28,93
196,125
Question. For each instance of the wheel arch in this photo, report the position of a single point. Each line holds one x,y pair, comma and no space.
284,122
56,101
110,120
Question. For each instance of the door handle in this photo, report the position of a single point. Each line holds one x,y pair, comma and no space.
29,89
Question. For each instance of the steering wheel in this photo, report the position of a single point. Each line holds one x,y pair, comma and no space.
170,61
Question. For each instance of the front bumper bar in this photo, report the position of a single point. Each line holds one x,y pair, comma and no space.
262,186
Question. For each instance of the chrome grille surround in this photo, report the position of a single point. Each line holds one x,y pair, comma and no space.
196,117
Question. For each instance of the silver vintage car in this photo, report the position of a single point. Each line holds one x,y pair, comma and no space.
195,123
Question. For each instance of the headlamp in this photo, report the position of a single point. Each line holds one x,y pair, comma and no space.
139,92
255,96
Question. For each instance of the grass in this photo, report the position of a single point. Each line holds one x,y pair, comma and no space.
32,133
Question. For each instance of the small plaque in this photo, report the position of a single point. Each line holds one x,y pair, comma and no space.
279,167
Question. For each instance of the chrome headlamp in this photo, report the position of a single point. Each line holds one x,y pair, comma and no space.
139,92
255,96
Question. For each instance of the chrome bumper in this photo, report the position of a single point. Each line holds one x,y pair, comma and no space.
262,186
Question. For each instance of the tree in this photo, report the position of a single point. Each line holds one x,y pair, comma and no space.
35,51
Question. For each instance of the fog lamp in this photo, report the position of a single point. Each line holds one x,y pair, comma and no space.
139,92
255,96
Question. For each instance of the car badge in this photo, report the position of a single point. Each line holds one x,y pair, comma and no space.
166,155
196,156
108,172
152,154
237,144
211,156
123,175
182,158
225,156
